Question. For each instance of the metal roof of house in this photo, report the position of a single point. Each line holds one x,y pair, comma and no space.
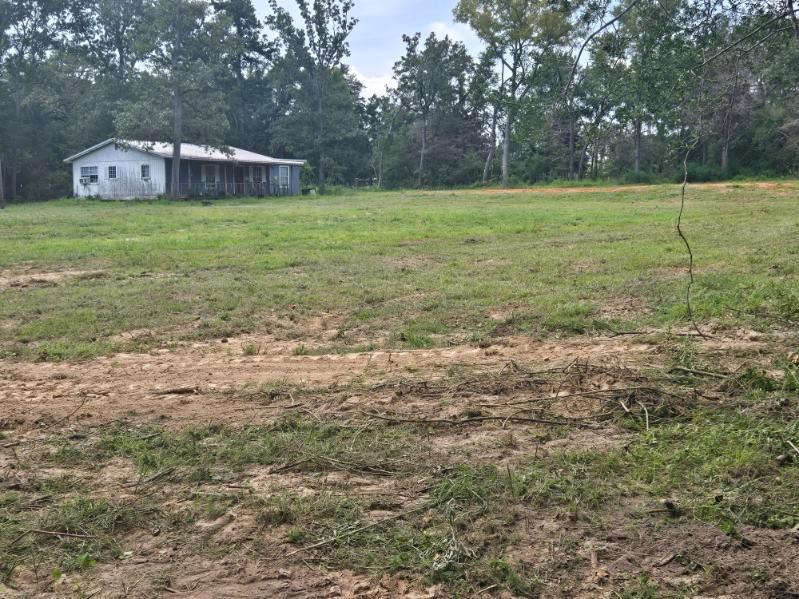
190,152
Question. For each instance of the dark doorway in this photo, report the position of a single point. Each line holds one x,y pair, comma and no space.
239,174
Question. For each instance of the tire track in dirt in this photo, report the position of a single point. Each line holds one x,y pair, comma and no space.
192,384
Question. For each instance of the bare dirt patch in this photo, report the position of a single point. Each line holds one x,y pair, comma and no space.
624,308
765,186
689,559
506,407
30,278
192,384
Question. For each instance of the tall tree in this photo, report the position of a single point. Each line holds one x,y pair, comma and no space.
431,79
31,31
382,114
486,99
318,48
246,77
111,35
185,58
518,33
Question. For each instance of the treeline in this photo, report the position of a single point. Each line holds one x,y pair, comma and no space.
564,89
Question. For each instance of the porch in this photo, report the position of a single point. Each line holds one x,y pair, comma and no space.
205,179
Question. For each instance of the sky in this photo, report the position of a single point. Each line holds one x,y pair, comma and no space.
376,42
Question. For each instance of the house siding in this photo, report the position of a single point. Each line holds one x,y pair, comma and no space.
128,184
294,179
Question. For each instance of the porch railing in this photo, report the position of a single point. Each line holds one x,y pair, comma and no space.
247,188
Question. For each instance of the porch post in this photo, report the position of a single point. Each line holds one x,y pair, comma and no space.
2,187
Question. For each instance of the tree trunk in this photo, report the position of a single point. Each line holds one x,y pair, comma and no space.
489,159
727,133
381,164
794,19
506,152
2,187
15,151
177,140
320,131
420,177
725,155
637,141
581,165
177,124
493,149
322,174
12,182
571,144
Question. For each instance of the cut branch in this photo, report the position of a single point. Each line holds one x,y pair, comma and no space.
591,37
687,244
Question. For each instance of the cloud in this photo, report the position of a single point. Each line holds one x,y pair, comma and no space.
458,32
373,85
370,9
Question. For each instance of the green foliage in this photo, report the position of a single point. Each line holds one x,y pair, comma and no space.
73,73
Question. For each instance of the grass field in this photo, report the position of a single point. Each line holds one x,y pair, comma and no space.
420,394
411,270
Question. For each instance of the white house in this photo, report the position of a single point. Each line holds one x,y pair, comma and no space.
123,169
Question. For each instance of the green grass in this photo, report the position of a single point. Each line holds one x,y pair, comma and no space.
426,268
95,524
718,466
411,270
203,454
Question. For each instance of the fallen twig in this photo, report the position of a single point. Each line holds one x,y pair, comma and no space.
151,479
666,560
582,394
646,413
714,375
51,533
289,466
70,415
448,422
680,232
179,391
355,531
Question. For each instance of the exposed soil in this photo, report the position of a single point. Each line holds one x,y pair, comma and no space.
192,384
769,186
30,278
686,556
234,556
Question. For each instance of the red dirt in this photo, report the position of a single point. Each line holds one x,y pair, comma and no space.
770,186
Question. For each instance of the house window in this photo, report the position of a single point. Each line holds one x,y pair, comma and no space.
90,174
145,172
257,173
284,176
112,172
